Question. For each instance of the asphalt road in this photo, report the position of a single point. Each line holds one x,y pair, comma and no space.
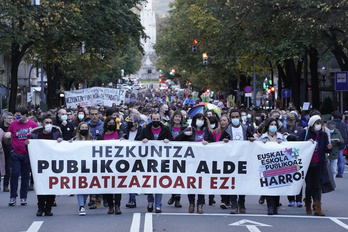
66,218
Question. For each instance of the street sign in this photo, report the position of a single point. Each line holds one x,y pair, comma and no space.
248,94
286,93
248,89
341,81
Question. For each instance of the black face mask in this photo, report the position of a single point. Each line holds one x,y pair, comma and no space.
111,127
166,112
130,125
84,132
156,123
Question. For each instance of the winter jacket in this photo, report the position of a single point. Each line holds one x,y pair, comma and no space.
207,135
67,130
164,134
322,148
335,144
57,133
138,136
341,126
97,129
247,132
295,131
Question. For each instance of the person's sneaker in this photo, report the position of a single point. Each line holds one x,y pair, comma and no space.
261,200
171,200
234,208
223,205
6,189
291,204
12,201
299,204
23,201
339,176
158,210
150,207
82,211
212,201
39,213
241,207
48,213
131,204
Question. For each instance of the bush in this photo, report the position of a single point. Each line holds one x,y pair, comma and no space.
326,107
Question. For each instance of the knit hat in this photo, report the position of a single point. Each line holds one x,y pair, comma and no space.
313,119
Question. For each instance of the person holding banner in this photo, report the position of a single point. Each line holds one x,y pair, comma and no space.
236,131
46,131
17,133
316,173
156,131
82,134
110,133
133,132
271,135
199,131
177,126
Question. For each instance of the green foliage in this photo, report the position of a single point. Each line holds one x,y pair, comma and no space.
235,33
54,32
326,107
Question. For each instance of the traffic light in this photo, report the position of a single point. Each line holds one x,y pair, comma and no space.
205,59
172,72
207,91
272,89
194,45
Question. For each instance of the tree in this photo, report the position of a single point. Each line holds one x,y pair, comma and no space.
56,28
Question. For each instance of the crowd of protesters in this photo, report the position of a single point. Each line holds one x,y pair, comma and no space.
166,118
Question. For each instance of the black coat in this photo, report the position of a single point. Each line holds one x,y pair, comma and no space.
67,130
164,134
323,141
207,135
139,135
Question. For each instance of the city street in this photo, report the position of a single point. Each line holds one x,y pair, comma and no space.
66,218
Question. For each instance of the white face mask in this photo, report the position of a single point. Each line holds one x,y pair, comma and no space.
244,118
317,127
199,123
212,126
48,128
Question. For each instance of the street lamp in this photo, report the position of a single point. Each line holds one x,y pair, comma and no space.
323,73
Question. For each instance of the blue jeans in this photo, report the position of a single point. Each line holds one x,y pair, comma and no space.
20,166
340,162
157,200
81,199
132,197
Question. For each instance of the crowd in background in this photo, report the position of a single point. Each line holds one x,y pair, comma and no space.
166,119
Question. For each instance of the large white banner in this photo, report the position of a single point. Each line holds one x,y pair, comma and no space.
94,96
238,167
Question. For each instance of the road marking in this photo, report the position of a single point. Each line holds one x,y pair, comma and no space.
244,221
251,228
148,223
338,222
135,227
252,215
35,226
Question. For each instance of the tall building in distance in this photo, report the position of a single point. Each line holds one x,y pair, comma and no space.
148,20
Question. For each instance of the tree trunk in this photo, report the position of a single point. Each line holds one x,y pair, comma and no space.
53,74
313,65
